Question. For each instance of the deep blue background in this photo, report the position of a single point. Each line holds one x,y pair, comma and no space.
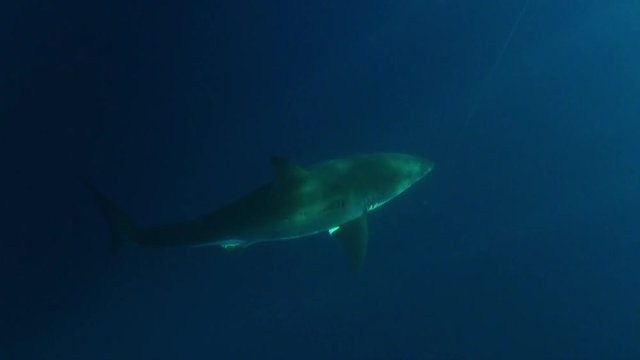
523,244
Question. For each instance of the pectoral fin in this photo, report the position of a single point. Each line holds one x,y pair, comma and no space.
354,236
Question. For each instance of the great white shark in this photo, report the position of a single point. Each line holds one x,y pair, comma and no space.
333,196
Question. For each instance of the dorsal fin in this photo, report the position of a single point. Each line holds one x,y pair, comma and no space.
285,169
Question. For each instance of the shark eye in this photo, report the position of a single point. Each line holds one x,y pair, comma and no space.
335,205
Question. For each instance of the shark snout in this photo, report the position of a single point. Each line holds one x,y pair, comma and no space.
419,168
425,166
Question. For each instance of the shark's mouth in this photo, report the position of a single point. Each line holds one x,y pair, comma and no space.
232,244
375,206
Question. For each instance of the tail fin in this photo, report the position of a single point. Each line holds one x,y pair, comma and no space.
121,226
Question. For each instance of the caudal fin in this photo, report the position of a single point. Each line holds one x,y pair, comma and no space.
121,226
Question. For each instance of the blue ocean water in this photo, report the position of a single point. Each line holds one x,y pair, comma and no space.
524,243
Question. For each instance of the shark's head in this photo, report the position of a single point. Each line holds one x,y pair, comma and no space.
402,171
411,168
388,175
